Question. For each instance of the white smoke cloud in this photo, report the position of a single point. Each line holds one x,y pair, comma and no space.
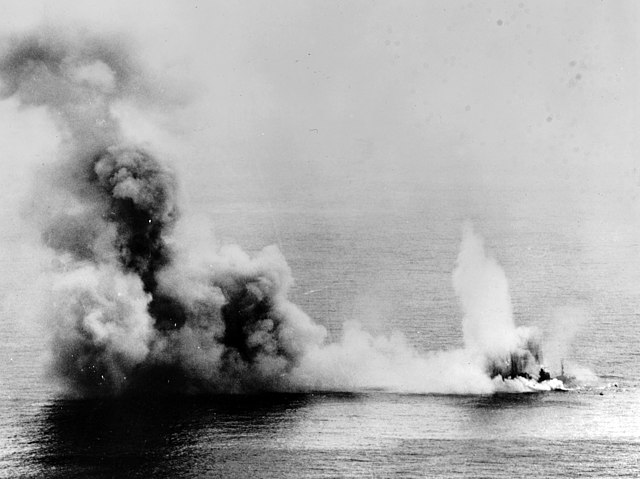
363,361
101,327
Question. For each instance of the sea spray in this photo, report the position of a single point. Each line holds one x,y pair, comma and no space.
483,292
489,329
131,310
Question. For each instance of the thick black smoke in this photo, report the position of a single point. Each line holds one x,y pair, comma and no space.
140,202
108,209
126,198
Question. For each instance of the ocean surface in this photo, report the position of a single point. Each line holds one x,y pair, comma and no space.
389,267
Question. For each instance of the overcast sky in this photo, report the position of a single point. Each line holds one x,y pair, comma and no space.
314,98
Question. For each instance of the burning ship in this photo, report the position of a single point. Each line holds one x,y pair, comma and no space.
516,374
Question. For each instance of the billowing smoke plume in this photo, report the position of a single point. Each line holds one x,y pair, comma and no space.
108,209
132,311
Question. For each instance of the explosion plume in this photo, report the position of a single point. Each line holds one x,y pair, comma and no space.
130,313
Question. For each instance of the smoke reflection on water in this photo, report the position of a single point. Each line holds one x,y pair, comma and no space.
329,435
145,437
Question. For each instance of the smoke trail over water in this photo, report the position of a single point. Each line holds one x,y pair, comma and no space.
131,311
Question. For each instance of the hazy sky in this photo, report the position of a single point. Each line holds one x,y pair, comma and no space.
309,100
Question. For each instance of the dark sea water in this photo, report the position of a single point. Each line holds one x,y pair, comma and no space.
327,435
391,270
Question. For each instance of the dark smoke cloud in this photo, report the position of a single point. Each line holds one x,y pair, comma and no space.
123,199
120,320
131,311
140,200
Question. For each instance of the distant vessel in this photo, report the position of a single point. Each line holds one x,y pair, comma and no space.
521,384
566,379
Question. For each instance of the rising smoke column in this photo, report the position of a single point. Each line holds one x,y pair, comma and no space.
91,204
123,198
107,207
